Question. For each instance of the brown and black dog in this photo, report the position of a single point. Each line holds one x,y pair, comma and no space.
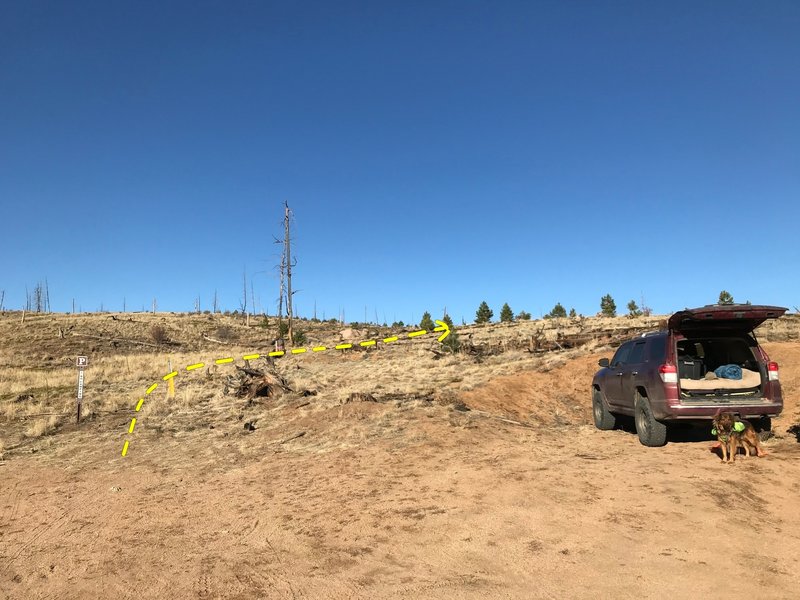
733,432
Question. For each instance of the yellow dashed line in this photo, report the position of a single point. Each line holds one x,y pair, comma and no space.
227,360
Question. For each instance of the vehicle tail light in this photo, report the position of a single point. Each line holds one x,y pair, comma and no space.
772,371
668,373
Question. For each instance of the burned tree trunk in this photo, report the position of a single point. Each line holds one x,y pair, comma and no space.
254,383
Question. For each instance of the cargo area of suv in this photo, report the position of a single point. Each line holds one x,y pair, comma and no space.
706,361
700,357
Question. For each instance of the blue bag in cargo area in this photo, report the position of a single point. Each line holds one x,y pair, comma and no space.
728,372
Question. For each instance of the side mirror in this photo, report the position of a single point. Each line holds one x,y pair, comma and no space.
603,362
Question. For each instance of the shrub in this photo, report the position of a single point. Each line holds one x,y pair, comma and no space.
633,310
523,316
426,322
283,329
225,334
558,311
725,298
506,314
608,308
159,334
452,343
484,314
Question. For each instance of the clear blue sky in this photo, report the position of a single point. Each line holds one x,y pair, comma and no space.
434,153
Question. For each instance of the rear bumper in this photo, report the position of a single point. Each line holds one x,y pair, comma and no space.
708,410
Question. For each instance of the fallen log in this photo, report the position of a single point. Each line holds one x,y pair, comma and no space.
299,434
124,340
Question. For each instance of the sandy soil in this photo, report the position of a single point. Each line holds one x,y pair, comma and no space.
406,500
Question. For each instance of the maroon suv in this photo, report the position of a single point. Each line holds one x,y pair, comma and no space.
689,372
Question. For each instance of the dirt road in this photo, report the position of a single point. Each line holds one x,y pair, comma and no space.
399,501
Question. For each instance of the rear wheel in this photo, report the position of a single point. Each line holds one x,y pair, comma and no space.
651,432
603,419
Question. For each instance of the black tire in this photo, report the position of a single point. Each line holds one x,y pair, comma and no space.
603,419
651,432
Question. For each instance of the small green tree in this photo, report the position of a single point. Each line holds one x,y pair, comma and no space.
426,322
484,314
633,310
523,316
558,311
608,308
725,298
446,319
506,314
572,313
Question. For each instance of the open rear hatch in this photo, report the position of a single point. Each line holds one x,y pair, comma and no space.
719,318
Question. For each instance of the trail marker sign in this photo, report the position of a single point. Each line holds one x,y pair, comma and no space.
81,362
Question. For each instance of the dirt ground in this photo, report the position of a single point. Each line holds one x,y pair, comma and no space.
415,499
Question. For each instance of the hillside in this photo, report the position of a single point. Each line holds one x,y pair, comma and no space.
369,473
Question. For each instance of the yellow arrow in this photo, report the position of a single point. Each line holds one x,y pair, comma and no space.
442,327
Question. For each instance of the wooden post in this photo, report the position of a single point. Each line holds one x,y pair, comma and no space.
171,384
81,362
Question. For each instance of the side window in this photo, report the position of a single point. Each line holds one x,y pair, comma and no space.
621,356
637,354
657,349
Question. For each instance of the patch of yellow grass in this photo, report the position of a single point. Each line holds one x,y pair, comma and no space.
42,426
10,409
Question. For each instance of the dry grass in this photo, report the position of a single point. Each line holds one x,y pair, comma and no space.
42,426
37,359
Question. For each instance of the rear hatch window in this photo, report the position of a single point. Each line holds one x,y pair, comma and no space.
719,318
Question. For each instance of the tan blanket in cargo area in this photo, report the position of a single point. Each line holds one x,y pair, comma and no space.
750,379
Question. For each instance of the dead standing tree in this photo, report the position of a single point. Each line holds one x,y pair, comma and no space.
245,314
286,277
287,240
